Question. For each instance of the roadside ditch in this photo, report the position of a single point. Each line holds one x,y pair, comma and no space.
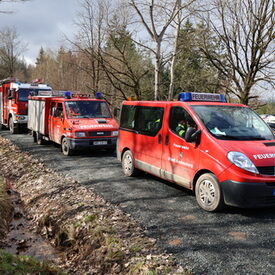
71,226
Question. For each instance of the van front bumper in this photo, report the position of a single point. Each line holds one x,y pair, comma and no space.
248,195
109,143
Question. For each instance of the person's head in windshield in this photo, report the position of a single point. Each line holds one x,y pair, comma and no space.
74,110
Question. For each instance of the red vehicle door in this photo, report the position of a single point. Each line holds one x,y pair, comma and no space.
56,121
180,158
147,145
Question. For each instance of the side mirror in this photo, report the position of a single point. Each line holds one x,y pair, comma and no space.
192,135
11,94
116,112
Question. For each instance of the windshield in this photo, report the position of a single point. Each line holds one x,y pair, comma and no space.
87,109
24,93
233,123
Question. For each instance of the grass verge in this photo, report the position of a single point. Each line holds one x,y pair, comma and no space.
5,208
13,265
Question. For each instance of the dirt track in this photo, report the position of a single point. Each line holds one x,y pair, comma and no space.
236,241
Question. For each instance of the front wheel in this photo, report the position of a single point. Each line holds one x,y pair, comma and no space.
67,151
128,164
13,128
208,193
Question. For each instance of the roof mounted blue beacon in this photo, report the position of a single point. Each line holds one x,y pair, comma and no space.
68,95
98,95
207,97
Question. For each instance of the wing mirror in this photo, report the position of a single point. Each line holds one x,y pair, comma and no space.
192,135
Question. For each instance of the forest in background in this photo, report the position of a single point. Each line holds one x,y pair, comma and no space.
153,49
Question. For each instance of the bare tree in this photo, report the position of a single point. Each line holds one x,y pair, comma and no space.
156,17
92,25
246,30
11,47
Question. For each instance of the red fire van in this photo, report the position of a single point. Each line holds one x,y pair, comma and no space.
224,152
73,120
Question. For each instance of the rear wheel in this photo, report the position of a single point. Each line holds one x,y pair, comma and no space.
39,139
208,193
128,164
67,151
34,136
13,128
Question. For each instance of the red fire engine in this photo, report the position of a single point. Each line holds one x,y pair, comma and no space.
14,103
75,121
224,152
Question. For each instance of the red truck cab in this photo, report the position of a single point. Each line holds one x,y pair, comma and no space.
74,121
14,102
224,152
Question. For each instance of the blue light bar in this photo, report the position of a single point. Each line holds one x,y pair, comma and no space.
98,95
207,97
68,94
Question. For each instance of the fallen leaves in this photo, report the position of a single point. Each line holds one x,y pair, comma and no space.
94,236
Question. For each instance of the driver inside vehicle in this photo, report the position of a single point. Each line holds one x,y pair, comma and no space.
74,111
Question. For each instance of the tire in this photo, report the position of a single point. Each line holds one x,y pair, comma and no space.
66,150
128,166
13,129
208,193
2,127
39,139
34,137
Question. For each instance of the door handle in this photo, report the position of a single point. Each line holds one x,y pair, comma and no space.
159,138
166,140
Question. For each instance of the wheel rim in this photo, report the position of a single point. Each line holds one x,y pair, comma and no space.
127,163
207,192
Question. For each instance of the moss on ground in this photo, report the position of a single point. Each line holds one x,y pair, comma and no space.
20,265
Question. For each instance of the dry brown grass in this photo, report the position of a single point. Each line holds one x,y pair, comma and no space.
5,208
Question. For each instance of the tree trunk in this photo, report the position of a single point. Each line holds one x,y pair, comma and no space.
158,63
174,55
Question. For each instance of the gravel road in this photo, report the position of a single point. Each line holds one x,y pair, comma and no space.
236,241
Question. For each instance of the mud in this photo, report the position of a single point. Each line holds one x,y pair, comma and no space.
21,238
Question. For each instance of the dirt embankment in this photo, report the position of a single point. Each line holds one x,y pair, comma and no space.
92,235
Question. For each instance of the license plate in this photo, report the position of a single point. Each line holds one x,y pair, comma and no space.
104,142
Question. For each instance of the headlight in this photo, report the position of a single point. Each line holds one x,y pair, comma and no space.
80,134
114,133
242,161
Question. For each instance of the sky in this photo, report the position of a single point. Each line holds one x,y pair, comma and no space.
40,23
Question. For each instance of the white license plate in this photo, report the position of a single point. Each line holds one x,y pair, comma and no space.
104,142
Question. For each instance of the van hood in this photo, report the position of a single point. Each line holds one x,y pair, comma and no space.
261,153
107,124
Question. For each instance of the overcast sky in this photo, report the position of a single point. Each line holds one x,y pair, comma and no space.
40,23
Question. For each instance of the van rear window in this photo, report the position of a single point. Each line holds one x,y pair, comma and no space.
142,119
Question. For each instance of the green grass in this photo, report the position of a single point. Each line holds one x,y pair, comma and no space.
20,265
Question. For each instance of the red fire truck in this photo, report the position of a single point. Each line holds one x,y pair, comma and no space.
73,120
224,152
14,102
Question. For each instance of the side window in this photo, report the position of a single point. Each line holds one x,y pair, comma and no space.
127,117
180,120
59,111
149,120
53,108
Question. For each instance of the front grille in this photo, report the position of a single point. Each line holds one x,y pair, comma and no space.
266,170
99,133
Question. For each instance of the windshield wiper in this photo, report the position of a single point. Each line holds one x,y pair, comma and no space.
241,137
